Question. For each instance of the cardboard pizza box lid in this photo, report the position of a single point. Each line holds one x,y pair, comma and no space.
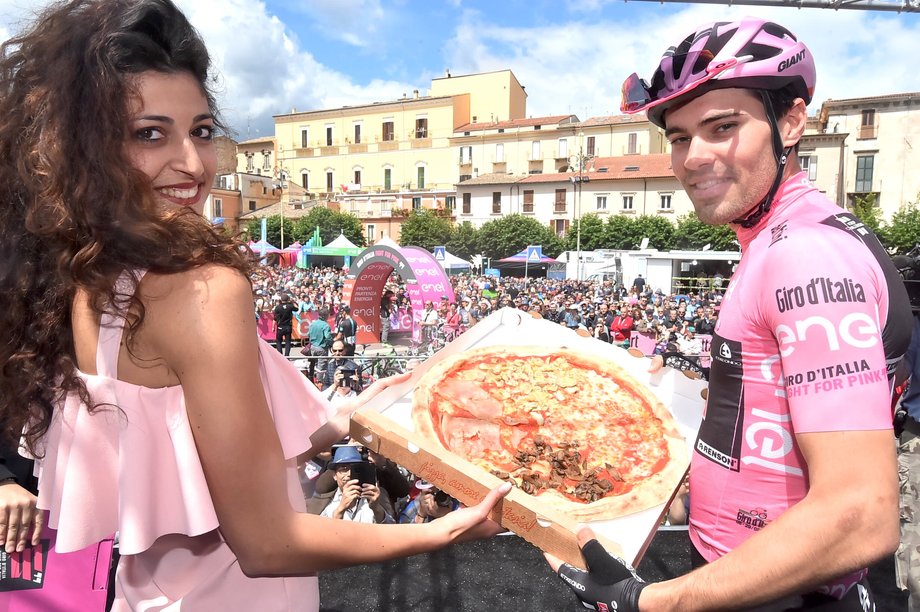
384,424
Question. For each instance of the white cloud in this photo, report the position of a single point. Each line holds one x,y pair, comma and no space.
356,22
265,71
568,66
578,67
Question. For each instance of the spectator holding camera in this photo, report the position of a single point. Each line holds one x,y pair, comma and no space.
430,503
357,498
343,386
338,361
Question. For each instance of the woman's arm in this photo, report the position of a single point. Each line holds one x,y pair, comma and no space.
214,353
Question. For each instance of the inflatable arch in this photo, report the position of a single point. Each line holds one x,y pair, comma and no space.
424,277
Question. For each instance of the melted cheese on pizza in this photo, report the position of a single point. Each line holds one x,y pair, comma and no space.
548,423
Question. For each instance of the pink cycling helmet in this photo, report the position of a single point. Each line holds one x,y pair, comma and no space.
751,53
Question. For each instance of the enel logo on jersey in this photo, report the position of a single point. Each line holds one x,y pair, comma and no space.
856,329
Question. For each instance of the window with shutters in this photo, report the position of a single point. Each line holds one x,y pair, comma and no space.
528,200
559,204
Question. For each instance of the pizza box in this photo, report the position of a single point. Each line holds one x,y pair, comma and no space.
385,425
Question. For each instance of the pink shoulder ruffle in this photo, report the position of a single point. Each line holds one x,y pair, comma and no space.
133,467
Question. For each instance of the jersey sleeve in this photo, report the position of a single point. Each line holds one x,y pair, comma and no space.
824,300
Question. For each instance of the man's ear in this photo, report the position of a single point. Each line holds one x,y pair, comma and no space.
792,124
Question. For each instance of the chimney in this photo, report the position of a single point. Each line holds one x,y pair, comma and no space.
415,94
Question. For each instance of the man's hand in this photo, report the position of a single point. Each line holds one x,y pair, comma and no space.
609,584
351,492
371,493
18,516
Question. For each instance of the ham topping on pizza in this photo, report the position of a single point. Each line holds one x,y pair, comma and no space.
546,422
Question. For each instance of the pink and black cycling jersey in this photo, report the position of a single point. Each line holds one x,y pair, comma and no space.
812,325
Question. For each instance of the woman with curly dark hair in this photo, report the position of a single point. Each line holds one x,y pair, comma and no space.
130,359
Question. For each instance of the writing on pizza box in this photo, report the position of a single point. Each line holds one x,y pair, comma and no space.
385,424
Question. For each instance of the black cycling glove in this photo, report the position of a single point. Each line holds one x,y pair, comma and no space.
609,584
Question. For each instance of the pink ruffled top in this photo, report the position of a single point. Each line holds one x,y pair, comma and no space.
132,467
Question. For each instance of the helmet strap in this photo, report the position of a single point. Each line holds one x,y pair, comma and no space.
780,154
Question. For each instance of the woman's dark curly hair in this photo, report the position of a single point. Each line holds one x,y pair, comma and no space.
74,213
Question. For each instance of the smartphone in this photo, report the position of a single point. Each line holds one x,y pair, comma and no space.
364,473
348,377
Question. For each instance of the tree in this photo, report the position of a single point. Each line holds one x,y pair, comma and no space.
867,210
627,232
425,229
464,241
593,235
622,233
351,226
693,234
321,217
273,231
512,234
903,233
331,225
658,230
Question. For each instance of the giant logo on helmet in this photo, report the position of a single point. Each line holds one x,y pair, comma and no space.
790,62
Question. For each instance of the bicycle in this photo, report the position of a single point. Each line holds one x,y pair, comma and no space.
380,365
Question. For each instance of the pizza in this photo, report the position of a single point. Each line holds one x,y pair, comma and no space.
575,430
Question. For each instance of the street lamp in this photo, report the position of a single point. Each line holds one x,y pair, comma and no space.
282,177
578,181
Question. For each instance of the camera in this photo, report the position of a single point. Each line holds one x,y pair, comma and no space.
348,377
364,473
442,499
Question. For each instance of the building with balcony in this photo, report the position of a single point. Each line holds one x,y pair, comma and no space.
377,158
879,149
622,185
468,150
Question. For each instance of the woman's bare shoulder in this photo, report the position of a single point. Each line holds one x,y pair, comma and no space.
196,301
201,286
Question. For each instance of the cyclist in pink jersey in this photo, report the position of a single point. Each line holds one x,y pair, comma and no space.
793,480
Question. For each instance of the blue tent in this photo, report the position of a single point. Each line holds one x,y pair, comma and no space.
522,258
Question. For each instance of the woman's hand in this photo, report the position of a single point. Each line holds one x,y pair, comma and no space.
474,523
19,518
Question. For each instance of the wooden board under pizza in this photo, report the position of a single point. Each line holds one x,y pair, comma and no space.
573,429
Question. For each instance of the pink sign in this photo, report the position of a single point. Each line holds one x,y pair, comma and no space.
302,320
645,342
425,281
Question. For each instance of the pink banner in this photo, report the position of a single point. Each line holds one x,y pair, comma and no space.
425,280
645,342
302,320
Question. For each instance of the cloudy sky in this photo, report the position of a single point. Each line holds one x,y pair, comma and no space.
571,55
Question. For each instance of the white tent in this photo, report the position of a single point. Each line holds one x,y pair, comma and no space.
387,241
341,242
453,263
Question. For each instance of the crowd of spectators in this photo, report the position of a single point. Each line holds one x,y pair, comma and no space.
354,484
608,311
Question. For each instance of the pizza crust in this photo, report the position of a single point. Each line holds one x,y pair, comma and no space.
466,435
